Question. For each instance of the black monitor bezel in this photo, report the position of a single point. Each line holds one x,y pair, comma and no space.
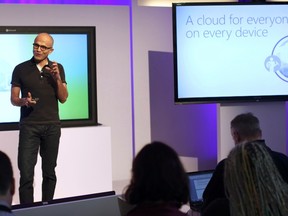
218,99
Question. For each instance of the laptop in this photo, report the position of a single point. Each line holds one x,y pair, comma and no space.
197,184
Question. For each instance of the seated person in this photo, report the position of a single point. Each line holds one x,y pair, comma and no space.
159,184
253,183
7,185
244,128
218,207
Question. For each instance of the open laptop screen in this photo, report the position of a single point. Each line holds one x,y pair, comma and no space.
197,183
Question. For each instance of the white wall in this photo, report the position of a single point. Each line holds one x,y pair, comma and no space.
152,30
113,65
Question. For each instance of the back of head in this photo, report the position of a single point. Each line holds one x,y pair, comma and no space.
157,175
246,126
253,184
6,173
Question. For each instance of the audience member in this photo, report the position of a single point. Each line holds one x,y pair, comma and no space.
253,184
7,185
244,128
159,184
218,207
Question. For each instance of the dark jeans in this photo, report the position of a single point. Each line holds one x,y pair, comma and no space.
34,138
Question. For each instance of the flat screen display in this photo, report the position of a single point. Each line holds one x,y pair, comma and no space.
230,52
74,48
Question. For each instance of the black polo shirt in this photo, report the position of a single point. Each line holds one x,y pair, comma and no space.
41,85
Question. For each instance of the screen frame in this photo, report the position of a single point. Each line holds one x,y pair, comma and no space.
215,99
90,31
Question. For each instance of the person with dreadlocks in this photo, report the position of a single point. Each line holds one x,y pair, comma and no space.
253,184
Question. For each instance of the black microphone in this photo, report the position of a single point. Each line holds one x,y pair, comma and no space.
46,71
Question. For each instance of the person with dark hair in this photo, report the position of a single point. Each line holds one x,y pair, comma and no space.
38,85
159,184
7,185
244,128
253,184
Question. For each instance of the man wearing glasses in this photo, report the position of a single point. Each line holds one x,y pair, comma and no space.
42,84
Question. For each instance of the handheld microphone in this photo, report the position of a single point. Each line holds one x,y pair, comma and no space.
45,71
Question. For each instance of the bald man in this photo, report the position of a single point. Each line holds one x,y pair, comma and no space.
42,84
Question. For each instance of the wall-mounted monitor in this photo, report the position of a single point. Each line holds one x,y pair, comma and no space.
230,52
75,48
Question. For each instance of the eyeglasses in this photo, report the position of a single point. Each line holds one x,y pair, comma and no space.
42,48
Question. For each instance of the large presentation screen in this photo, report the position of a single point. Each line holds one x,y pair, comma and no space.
230,52
74,48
